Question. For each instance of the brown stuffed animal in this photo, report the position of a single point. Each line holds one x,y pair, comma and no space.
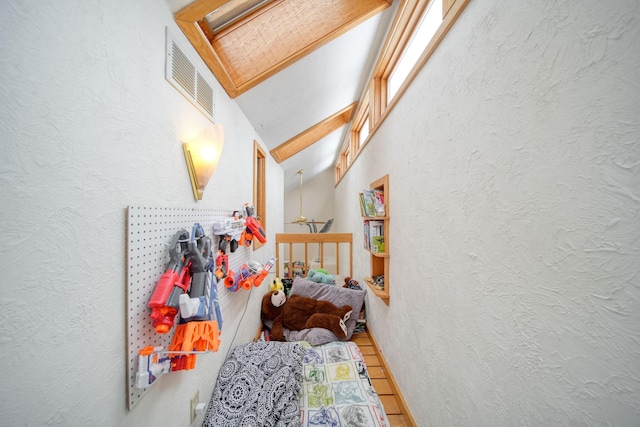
300,313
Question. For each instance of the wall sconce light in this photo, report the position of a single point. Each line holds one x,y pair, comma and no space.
202,154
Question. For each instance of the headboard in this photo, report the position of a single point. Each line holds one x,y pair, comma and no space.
296,253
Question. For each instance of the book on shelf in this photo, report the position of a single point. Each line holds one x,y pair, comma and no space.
377,244
372,203
374,236
378,202
367,239
367,203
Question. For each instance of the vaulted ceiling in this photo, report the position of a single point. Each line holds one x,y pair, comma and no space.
297,68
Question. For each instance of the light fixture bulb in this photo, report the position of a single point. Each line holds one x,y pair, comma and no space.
208,154
202,154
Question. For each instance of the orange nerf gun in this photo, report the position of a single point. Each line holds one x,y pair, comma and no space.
255,228
164,302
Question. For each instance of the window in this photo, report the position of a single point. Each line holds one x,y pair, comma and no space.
414,35
346,158
259,188
364,132
427,27
231,11
360,128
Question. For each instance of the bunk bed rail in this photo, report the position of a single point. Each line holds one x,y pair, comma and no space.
296,253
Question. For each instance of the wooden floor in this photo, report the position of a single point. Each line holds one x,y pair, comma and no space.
383,382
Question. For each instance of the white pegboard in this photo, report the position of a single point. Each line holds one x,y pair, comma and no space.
149,232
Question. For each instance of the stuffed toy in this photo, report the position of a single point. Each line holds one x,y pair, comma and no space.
321,276
351,283
288,284
276,285
297,313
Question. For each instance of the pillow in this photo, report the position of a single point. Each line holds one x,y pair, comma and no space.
335,294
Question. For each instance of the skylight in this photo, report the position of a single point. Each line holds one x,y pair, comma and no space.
232,11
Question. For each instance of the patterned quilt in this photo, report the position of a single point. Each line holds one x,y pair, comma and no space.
337,390
294,384
258,385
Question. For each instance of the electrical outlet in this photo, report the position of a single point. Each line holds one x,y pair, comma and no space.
194,401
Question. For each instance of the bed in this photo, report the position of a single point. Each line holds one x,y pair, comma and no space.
295,384
337,389
313,379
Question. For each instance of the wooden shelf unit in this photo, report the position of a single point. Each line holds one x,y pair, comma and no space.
380,260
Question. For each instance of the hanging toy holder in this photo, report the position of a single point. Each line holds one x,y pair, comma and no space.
187,287
250,275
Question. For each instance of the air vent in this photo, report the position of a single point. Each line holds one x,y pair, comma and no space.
185,77
204,95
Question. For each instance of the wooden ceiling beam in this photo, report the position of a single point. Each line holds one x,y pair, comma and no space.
188,20
273,37
315,133
198,9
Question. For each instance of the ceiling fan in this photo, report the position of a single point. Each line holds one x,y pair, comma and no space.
301,219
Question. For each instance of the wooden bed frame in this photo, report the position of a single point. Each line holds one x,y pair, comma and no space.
302,245
341,245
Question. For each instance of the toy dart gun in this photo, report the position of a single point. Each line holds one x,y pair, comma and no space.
200,317
230,231
165,300
151,365
253,228
251,274
187,287
222,265
201,299
187,277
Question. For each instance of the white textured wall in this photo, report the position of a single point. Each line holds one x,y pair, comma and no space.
89,126
514,163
